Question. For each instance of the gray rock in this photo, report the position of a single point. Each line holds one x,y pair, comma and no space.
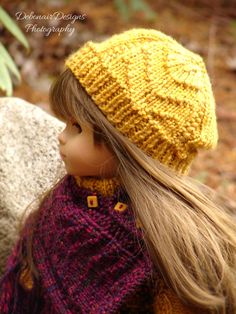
29,163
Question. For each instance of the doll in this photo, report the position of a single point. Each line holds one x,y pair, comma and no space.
126,230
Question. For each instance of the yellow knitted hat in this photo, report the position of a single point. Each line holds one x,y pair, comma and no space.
153,90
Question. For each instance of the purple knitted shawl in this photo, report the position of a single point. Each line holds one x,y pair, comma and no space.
90,260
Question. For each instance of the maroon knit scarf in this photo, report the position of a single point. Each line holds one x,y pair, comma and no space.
90,260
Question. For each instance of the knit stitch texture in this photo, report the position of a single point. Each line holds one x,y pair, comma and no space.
89,260
153,90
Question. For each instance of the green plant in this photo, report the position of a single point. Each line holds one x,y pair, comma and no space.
126,9
7,65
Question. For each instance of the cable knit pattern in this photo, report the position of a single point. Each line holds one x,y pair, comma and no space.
89,260
153,90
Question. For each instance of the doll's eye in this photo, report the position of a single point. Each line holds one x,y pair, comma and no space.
76,124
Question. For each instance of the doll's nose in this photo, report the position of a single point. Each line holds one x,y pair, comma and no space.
61,138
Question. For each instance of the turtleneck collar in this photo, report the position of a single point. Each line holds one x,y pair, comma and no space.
106,186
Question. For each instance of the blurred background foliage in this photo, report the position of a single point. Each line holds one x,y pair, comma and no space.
206,27
7,65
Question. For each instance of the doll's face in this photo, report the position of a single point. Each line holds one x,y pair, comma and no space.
82,157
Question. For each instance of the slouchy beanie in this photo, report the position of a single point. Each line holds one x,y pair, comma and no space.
153,90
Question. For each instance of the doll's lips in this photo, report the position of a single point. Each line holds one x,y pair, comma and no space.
62,155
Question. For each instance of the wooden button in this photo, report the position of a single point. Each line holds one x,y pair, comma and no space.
92,201
120,207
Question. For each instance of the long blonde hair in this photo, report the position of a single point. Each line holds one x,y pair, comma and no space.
189,234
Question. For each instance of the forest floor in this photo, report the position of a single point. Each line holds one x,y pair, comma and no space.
209,31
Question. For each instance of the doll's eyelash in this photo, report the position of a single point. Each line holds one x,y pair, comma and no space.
76,124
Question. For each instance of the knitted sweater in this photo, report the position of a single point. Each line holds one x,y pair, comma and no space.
89,252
